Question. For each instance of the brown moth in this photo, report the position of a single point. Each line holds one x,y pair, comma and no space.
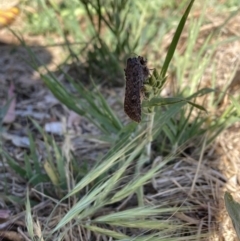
136,73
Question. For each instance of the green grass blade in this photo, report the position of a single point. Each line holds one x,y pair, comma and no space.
175,40
233,209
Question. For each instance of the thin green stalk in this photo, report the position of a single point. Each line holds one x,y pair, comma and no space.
149,134
143,160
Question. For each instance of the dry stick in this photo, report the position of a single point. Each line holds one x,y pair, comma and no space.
123,204
23,234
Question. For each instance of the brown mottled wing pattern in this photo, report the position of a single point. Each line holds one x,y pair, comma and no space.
136,72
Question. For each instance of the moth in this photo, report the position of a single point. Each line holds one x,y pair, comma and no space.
136,73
